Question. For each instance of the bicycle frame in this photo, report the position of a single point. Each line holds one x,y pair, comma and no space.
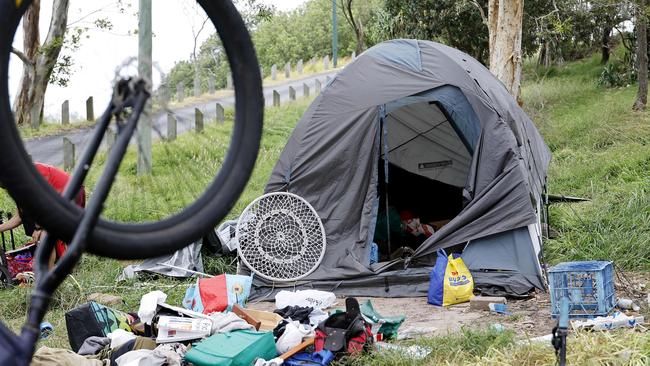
19,349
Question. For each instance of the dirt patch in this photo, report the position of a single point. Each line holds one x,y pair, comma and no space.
529,318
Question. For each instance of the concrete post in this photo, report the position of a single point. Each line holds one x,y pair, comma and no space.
326,62
180,92
221,115
299,67
276,98
65,113
211,85
90,109
287,70
292,93
68,155
198,120
172,130
274,72
305,90
317,87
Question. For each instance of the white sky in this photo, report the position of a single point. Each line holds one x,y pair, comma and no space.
103,51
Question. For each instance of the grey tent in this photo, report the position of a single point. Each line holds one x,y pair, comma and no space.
447,137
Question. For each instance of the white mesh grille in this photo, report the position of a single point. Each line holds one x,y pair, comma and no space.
281,238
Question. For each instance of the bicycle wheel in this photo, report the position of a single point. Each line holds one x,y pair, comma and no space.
141,240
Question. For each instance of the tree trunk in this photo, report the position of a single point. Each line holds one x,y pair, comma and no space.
31,97
357,26
642,57
361,38
604,44
505,18
541,59
31,43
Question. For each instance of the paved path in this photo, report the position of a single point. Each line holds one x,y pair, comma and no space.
49,149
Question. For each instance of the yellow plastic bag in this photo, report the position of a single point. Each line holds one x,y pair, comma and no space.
458,282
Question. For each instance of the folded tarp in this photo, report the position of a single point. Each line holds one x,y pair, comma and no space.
185,258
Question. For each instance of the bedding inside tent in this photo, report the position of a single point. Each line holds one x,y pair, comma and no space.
424,175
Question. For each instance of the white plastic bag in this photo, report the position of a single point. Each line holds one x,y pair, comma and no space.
119,337
293,335
305,298
148,305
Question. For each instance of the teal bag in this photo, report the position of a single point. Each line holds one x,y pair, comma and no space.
388,325
238,348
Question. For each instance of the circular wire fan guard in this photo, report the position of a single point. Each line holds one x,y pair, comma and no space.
280,236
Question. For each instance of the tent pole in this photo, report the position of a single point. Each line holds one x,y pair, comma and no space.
385,145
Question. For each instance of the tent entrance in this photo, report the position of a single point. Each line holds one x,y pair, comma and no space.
422,180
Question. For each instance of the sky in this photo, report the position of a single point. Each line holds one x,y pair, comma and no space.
103,51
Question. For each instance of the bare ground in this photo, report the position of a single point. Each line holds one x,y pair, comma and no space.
529,318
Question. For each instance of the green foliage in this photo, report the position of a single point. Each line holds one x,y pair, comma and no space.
165,192
456,23
601,150
303,33
300,34
616,74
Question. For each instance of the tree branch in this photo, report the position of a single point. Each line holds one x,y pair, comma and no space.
196,36
91,13
22,56
480,9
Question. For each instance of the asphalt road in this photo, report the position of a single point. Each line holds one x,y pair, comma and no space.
49,149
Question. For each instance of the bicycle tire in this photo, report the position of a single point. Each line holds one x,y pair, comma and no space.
142,240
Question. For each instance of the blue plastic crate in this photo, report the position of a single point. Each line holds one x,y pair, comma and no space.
589,286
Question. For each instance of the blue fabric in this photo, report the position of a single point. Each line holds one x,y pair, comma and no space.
192,299
404,52
437,279
374,253
455,105
321,358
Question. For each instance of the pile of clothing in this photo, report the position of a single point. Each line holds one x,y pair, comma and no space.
214,328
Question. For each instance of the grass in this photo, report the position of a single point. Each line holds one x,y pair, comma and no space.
135,198
49,128
600,150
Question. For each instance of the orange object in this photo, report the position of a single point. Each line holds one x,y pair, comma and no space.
214,294
242,313
297,348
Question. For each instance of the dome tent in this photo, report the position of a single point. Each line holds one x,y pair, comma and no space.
422,122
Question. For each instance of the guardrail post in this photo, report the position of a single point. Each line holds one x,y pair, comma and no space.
90,109
172,130
221,115
65,113
198,120
68,155
276,98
